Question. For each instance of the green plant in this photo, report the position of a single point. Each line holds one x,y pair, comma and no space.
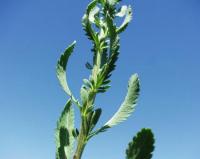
99,25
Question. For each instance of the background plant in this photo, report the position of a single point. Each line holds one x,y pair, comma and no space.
99,24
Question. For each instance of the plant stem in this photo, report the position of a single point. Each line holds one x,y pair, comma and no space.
81,143
84,130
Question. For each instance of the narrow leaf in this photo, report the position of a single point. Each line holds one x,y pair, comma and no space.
127,11
93,13
63,134
95,117
122,12
126,108
61,68
88,66
91,6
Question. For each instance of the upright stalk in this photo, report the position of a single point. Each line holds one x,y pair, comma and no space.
84,129
81,143
100,27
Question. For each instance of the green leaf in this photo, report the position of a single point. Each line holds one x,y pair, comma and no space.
126,108
103,89
63,134
93,13
90,18
88,66
122,11
104,56
61,71
142,145
61,68
86,22
95,117
109,63
91,6
109,9
127,12
92,119
75,133
84,95
88,83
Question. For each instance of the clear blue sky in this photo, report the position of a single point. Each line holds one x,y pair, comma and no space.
162,44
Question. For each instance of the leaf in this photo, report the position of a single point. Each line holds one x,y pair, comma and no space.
88,66
111,65
93,13
103,89
110,62
122,12
61,68
92,119
91,16
84,95
86,22
95,117
75,133
127,12
104,56
109,8
126,108
142,145
91,6
88,83
63,134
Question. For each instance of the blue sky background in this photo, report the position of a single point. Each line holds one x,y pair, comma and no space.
162,44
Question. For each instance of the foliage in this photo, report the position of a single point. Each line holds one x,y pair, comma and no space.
64,137
99,24
142,145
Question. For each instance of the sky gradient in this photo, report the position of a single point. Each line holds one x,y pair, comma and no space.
162,45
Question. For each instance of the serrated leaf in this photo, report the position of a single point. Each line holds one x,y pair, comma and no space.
128,106
61,68
89,31
127,19
90,6
93,13
63,134
122,12
142,145
109,63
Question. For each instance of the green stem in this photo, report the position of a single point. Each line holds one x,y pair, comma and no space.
82,138
84,131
